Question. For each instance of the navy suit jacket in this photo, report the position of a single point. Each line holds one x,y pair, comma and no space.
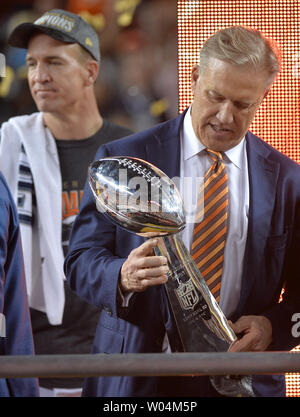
98,249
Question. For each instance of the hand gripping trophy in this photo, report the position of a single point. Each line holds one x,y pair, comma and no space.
139,197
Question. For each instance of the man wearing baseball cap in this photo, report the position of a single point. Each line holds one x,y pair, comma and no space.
44,157
62,26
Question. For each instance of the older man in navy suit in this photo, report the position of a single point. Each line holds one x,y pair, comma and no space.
237,68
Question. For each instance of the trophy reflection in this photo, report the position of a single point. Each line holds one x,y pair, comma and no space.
140,198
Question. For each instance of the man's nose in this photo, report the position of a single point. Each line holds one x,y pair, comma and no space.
41,73
226,113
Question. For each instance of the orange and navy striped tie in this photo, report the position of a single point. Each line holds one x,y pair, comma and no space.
211,224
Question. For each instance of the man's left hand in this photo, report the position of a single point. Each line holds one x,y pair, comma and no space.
254,332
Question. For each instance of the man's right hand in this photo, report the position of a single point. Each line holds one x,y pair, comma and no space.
143,269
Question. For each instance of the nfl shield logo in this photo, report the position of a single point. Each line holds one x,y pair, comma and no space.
187,295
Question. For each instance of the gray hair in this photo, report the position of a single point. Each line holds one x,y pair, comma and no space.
242,46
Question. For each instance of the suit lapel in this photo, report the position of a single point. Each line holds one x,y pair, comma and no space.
165,151
263,176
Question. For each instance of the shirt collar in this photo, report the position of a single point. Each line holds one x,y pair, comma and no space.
192,145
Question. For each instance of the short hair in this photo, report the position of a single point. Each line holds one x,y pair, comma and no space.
240,45
84,55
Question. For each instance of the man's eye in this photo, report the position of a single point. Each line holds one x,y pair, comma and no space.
215,98
242,106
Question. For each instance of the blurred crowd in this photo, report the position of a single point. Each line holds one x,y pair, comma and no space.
137,85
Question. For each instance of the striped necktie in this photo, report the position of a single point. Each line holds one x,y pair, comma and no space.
211,224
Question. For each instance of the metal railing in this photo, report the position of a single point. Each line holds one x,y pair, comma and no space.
221,363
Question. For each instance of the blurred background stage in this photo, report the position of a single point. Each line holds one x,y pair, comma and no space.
148,49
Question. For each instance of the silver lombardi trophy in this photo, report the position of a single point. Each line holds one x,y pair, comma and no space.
140,198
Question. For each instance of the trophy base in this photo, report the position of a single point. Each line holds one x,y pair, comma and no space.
233,385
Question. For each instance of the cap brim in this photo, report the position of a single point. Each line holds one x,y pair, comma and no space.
21,35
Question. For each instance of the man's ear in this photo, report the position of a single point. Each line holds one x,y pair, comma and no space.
92,69
265,95
194,77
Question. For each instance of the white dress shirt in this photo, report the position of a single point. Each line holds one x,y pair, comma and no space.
194,164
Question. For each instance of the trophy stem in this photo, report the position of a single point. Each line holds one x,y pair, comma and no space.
201,323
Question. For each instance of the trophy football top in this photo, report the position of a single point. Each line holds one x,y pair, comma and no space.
136,195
